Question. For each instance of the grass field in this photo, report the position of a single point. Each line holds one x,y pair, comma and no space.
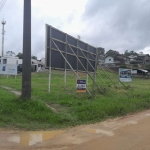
64,107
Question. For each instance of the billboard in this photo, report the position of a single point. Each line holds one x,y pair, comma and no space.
69,47
125,75
6,69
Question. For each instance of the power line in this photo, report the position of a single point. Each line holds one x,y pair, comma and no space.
2,4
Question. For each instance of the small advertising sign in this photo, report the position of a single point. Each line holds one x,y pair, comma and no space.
81,86
125,75
6,69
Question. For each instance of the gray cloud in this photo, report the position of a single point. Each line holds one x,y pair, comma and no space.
112,24
118,25
13,14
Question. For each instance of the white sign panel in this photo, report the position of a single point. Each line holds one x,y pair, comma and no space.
125,75
6,69
81,86
134,71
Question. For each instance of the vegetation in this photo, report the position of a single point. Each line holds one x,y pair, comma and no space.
128,53
10,53
101,51
64,107
20,56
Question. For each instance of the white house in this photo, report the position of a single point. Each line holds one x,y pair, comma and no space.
38,65
10,60
109,60
43,61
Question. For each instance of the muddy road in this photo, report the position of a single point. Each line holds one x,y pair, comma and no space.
131,132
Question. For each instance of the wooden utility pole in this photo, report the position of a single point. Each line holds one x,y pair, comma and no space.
3,33
26,73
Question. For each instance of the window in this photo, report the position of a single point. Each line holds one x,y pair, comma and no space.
4,61
109,59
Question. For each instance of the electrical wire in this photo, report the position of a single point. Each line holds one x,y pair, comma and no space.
2,4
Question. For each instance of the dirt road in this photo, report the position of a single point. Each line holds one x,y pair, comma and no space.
131,132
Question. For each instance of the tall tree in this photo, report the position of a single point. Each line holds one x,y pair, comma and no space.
101,51
19,55
34,57
10,53
128,53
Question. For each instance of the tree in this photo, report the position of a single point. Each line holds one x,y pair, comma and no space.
112,53
34,57
101,51
10,53
128,53
20,55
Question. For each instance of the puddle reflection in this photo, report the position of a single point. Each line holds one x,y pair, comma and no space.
31,138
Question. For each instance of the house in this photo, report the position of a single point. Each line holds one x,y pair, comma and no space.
101,59
10,60
37,65
43,60
140,59
114,58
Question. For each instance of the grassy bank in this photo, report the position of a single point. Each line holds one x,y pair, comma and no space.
64,107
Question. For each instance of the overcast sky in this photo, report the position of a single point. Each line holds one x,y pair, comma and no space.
112,24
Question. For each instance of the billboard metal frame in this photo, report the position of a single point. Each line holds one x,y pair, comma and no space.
83,57
61,42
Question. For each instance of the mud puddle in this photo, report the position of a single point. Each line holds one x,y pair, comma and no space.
32,138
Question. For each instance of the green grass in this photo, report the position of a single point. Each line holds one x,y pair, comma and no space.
71,108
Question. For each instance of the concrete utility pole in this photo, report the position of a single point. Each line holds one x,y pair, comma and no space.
26,73
3,33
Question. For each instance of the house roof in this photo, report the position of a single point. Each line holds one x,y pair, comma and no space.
143,70
37,62
132,56
117,57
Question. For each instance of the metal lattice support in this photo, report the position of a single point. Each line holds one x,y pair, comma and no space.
69,65
85,69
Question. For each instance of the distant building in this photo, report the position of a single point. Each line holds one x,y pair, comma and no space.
140,59
10,60
36,65
115,59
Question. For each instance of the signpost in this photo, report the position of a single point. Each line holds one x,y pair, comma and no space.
125,75
8,69
81,86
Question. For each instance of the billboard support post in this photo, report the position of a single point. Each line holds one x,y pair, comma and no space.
87,79
65,71
49,80
65,76
77,55
94,81
50,68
